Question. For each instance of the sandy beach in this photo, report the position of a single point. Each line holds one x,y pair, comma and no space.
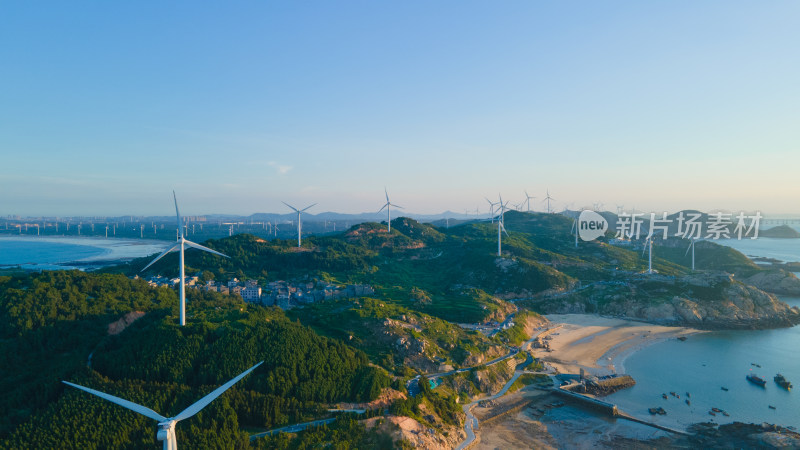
600,345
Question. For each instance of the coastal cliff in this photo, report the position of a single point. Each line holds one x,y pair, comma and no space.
705,301
775,281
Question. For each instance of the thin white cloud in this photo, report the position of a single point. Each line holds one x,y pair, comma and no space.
282,169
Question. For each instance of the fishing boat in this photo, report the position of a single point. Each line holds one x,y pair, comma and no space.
783,382
757,380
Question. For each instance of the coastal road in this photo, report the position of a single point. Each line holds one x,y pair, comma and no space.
293,428
471,423
413,387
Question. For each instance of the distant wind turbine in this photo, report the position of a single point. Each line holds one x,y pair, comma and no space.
648,243
299,221
388,205
180,245
575,230
528,200
166,425
501,227
491,208
548,199
691,247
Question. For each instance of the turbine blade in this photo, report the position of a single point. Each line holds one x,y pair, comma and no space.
306,207
177,213
200,247
290,206
688,248
397,206
143,410
387,194
384,206
203,402
174,246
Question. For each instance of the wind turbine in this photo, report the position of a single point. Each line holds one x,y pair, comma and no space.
299,223
548,199
491,208
180,245
575,230
388,207
501,227
166,425
528,200
649,241
691,247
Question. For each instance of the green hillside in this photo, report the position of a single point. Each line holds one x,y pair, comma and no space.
53,321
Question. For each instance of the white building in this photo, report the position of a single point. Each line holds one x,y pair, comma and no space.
251,294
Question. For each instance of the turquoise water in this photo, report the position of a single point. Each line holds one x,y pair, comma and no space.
706,362
47,255
787,250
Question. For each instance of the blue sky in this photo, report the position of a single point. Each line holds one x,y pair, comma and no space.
105,107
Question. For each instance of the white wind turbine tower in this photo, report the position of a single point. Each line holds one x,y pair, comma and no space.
575,230
388,205
182,241
501,227
548,199
299,222
528,200
648,243
491,208
166,425
691,247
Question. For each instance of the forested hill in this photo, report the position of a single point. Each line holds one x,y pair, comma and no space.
456,271
52,322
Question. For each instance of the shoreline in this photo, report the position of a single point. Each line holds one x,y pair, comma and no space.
113,250
601,345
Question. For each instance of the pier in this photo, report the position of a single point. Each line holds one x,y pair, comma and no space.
611,409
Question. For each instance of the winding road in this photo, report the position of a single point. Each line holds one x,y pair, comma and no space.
471,422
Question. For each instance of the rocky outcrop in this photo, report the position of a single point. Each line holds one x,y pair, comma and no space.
417,435
119,326
475,359
775,281
707,301
494,377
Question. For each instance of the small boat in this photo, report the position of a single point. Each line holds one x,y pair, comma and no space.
673,394
724,388
757,380
688,402
688,395
660,411
682,338
755,365
783,382
772,407
712,413
725,413
664,396
716,410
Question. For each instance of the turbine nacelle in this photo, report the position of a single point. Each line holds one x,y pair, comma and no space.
166,431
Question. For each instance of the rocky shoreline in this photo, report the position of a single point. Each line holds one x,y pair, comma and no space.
709,301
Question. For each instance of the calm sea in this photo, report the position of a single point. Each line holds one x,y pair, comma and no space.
53,253
705,363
